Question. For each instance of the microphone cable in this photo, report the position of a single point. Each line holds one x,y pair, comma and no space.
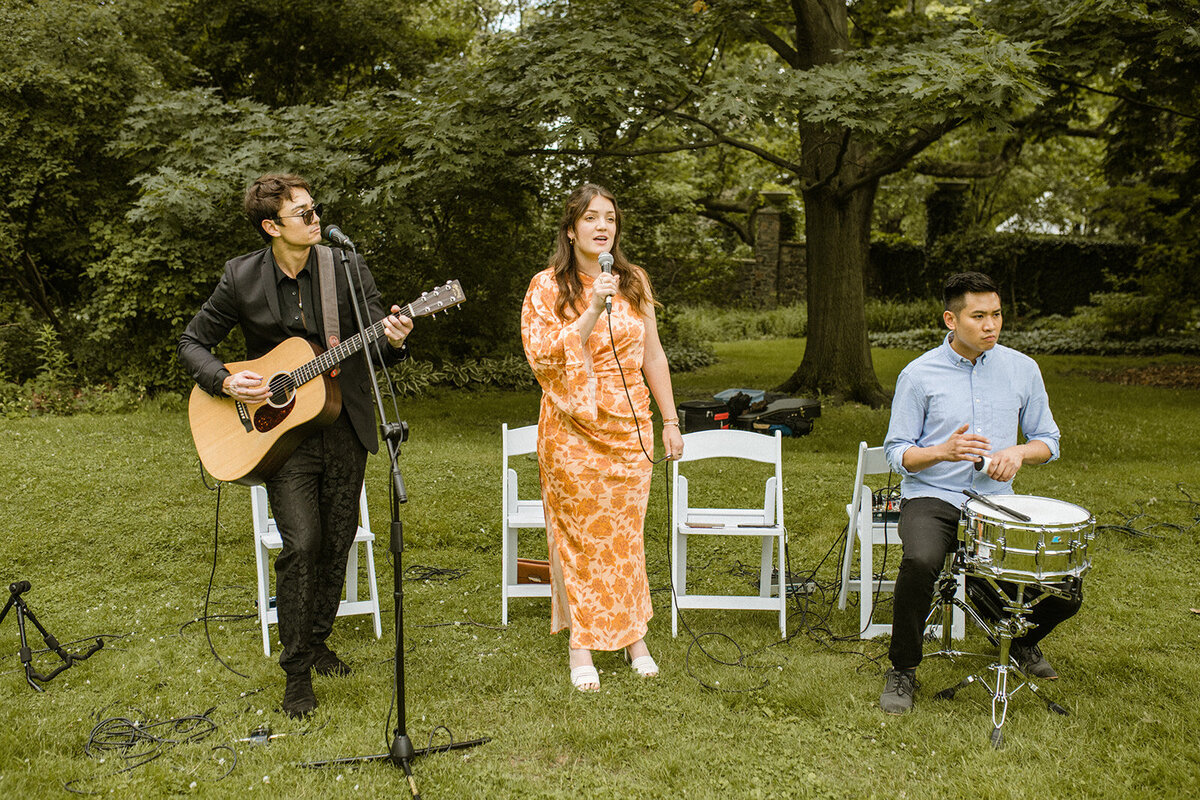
213,573
695,643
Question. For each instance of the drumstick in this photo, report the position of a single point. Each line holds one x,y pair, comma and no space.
974,495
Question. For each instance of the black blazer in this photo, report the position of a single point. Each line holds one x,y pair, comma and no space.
246,295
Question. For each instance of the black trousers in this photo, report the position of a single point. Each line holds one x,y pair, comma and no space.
314,498
928,531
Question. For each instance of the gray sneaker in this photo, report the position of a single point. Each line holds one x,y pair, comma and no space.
898,688
1031,661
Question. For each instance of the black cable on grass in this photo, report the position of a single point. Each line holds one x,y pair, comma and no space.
422,572
137,743
456,623
1129,528
207,617
213,574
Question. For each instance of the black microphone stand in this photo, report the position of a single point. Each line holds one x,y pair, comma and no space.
401,752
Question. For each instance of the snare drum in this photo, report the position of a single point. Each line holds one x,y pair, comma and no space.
1051,547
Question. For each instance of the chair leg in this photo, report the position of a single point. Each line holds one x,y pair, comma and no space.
847,564
374,589
508,569
352,574
262,562
765,566
783,585
678,576
866,582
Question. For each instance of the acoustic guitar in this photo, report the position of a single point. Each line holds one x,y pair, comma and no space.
247,442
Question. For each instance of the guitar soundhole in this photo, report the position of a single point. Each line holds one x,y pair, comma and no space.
283,389
278,406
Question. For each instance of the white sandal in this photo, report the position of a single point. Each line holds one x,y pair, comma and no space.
645,666
585,678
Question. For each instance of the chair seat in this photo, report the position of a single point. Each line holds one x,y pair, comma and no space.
273,541
528,514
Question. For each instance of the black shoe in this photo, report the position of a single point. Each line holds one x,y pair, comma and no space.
298,698
898,688
1031,661
327,663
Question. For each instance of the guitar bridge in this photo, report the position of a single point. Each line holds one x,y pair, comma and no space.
244,415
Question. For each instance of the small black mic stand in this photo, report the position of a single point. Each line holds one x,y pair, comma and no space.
16,601
401,753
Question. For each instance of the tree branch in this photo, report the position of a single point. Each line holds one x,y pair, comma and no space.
776,43
722,138
742,231
973,169
1128,99
645,151
901,156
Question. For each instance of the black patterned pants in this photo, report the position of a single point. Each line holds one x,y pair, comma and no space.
314,498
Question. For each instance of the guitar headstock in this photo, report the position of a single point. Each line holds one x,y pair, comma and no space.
448,295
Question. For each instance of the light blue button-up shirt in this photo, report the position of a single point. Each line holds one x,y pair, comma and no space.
940,391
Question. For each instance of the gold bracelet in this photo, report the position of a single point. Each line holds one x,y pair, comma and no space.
674,422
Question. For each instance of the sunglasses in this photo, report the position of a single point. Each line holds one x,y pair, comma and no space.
307,216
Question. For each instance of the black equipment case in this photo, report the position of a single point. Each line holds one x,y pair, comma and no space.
703,415
793,416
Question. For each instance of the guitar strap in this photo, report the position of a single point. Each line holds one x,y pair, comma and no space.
329,306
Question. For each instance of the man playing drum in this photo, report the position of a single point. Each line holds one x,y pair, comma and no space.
954,405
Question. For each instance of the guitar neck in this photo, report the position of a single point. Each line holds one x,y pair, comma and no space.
336,355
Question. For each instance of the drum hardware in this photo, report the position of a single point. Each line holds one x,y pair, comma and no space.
1011,567
1011,626
974,495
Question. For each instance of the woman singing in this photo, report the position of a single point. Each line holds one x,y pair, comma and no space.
595,476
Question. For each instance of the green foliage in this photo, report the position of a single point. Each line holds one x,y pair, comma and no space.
710,324
1037,274
54,365
886,316
1051,341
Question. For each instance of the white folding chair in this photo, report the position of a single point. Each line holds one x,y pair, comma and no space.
516,514
266,537
869,533
765,522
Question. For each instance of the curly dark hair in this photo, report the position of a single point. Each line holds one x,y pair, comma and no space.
267,195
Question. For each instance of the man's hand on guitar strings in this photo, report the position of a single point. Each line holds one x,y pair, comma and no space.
247,386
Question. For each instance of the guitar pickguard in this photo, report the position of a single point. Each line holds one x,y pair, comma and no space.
269,417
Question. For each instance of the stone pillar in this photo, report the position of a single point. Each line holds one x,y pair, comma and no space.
760,288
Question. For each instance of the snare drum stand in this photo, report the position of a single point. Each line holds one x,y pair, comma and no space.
1012,624
943,608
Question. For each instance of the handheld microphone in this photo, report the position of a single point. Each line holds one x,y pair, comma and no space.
334,234
606,262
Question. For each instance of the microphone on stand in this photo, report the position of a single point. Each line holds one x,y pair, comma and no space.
606,262
334,234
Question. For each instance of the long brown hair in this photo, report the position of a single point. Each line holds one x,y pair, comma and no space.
632,280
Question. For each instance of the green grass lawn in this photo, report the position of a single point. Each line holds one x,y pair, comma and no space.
108,519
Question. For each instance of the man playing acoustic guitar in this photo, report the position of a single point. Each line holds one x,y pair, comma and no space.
275,294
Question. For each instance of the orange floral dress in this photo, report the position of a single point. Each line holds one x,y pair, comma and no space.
595,478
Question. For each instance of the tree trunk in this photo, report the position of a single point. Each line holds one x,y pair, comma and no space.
837,358
837,224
